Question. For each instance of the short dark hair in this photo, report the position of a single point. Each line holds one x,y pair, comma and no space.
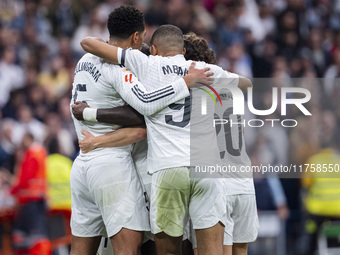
197,49
168,36
124,21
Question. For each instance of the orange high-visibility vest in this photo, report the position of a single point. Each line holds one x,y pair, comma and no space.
31,175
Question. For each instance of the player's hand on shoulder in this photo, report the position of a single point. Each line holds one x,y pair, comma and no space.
87,143
78,108
198,77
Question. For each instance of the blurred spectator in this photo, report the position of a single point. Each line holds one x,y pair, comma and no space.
281,71
17,98
327,129
9,9
66,119
304,139
318,13
250,19
331,73
268,187
62,19
96,26
55,81
236,60
107,6
27,123
228,31
203,22
153,19
289,45
320,57
29,189
263,55
38,103
180,13
7,147
7,201
66,52
11,75
58,139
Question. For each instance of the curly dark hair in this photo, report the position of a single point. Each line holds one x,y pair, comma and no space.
197,49
124,21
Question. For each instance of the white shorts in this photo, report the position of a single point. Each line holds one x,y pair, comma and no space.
242,223
175,196
106,197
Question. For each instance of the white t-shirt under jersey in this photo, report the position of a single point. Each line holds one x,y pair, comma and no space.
104,85
169,129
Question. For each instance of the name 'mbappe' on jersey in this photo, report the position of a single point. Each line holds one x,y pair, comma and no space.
168,69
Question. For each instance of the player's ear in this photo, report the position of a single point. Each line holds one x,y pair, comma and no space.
184,51
134,38
153,50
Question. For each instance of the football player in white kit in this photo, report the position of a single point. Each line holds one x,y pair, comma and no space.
174,194
242,220
107,196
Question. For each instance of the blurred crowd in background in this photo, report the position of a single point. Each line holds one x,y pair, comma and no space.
286,39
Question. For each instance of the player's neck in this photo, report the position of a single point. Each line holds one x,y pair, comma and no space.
170,53
120,43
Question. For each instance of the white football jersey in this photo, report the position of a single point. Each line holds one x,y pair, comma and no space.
168,130
231,143
139,153
104,85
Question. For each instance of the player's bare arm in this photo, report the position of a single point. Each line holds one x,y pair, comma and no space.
120,137
121,115
98,47
244,83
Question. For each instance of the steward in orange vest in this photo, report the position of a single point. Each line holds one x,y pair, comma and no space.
29,230
30,183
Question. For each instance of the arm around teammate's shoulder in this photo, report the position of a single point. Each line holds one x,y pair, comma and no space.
98,47
133,59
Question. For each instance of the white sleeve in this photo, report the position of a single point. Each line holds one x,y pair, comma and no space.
134,60
233,78
225,77
148,102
